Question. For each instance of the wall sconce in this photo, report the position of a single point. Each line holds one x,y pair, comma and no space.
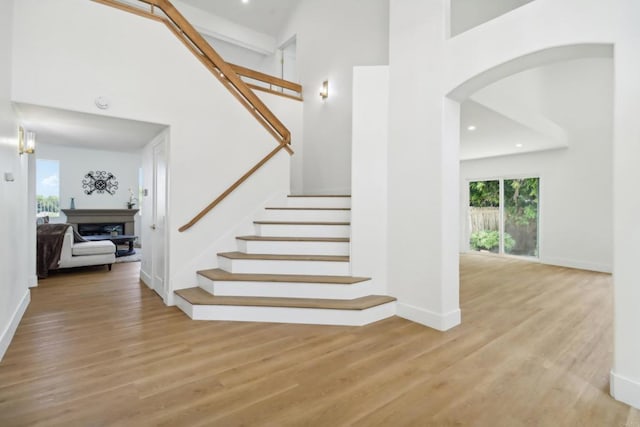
26,141
324,90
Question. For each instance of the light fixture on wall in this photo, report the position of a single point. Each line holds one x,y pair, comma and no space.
26,141
324,89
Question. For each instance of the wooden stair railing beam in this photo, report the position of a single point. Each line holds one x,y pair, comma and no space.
210,58
216,72
270,80
203,46
228,191
225,74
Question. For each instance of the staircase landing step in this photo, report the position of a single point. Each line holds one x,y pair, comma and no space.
221,275
269,257
198,296
294,239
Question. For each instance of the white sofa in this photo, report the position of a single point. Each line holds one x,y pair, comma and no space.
85,253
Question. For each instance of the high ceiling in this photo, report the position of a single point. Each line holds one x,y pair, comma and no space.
265,16
538,109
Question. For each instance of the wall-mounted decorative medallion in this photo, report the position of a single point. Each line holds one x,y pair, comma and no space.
99,182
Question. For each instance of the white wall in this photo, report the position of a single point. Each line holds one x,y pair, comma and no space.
149,75
211,25
423,171
15,222
466,14
575,228
333,37
369,175
75,162
246,57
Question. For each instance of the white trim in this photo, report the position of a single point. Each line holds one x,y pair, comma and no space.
32,281
10,330
146,278
441,322
310,316
572,263
624,389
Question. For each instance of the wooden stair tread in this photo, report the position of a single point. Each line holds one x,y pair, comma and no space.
198,296
294,239
222,275
271,257
319,195
300,223
307,209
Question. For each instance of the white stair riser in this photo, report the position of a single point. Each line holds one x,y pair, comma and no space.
286,230
306,215
297,248
252,266
318,202
312,316
285,290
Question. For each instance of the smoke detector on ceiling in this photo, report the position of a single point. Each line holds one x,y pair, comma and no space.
102,103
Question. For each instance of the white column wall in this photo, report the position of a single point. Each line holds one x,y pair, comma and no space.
369,175
625,374
423,173
16,226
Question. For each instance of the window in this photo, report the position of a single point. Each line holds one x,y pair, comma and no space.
503,216
47,188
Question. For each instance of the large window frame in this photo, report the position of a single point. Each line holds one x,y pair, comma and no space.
502,217
48,187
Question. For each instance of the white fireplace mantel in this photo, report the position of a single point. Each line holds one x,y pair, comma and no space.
102,216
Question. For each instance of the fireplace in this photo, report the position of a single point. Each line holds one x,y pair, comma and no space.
91,222
98,229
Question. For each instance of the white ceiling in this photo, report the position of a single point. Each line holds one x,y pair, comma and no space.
538,108
63,127
265,16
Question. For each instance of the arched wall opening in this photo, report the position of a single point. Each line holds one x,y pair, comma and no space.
546,116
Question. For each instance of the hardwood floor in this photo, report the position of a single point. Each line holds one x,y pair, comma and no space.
534,349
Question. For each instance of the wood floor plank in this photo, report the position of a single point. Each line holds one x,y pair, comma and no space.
100,348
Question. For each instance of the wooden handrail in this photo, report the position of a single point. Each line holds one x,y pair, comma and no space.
227,75
228,191
270,80
212,60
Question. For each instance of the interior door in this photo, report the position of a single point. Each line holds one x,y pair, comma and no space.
158,227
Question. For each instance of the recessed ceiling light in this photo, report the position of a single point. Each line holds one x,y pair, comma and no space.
471,127
245,1
519,145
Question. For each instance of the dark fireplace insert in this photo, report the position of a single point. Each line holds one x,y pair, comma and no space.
100,229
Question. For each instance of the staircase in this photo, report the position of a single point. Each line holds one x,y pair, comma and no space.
296,269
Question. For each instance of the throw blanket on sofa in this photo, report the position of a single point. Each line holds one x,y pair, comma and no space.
49,247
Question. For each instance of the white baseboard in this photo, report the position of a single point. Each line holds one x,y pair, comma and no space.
441,322
32,282
562,262
146,278
10,330
625,390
